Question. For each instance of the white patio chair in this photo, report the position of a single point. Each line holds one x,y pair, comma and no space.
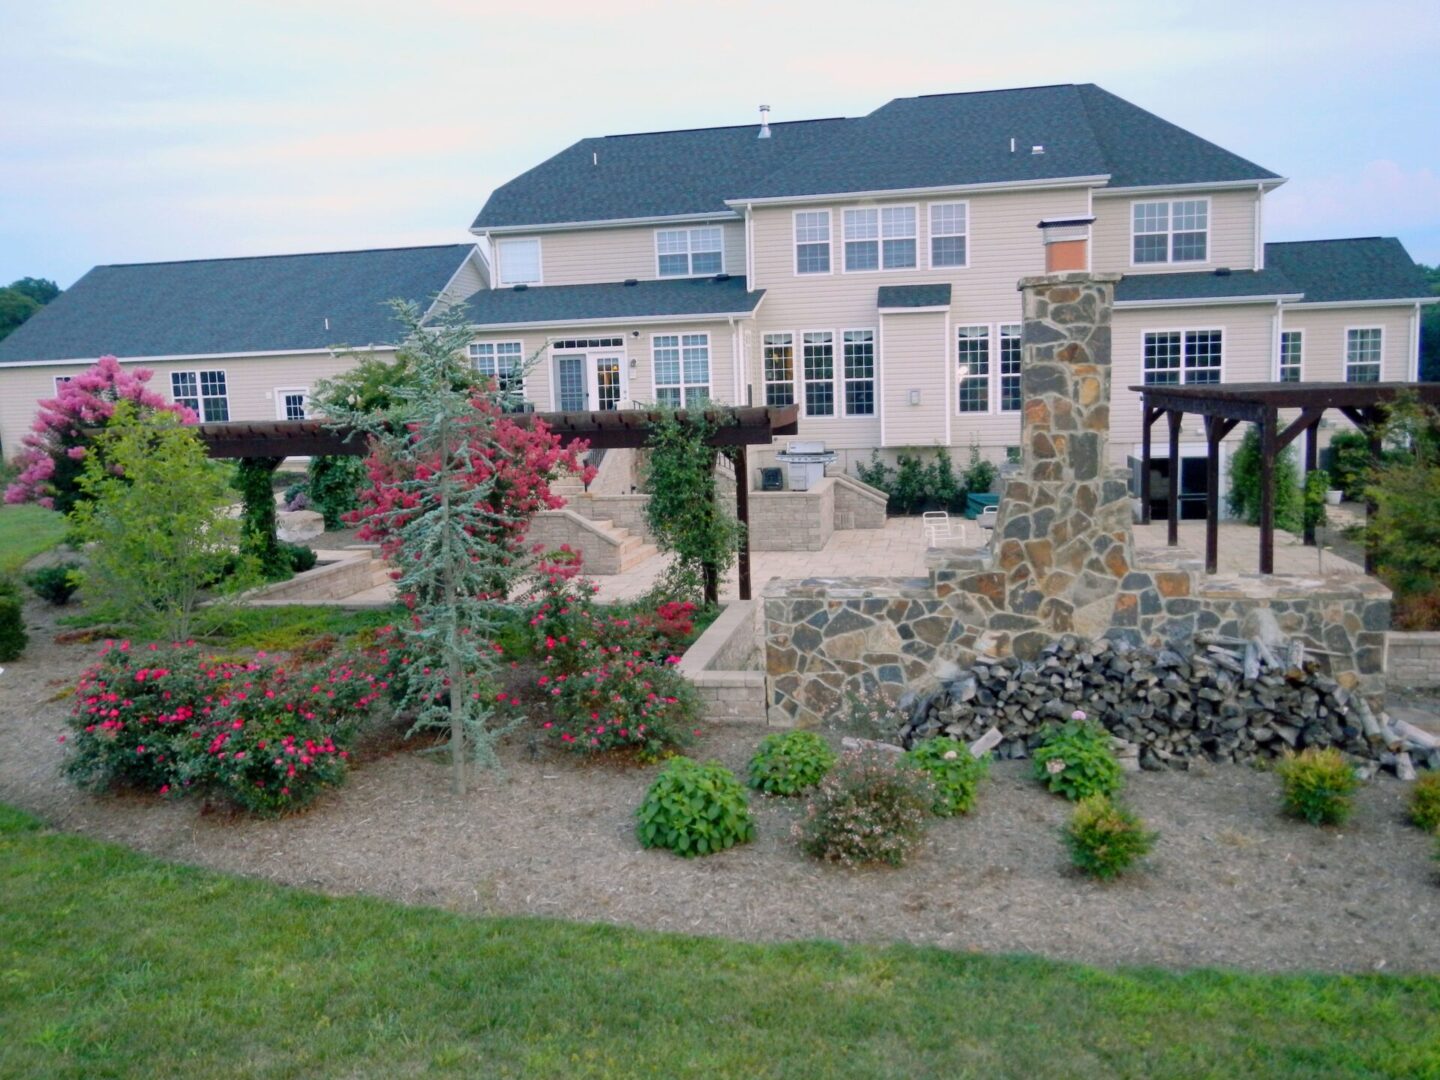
940,529
987,517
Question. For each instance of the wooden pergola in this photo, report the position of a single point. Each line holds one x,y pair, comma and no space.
735,429
1224,405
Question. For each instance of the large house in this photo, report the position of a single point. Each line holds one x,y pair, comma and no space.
864,269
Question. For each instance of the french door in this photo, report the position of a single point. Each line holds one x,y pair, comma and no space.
589,382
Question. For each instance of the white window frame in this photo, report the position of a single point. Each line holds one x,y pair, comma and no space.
766,382
989,376
690,251
683,385
1299,364
880,239
517,388
61,380
842,374
200,396
829,243
281,392
589,350
804,382
501,277
1001,375
1184,369
1170,231
933,235
1379,360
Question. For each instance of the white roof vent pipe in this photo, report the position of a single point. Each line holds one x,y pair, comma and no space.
1037,149
764,122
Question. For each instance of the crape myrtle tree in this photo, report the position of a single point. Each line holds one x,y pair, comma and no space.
453,484
52,455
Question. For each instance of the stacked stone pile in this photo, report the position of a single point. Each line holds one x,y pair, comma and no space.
1228,699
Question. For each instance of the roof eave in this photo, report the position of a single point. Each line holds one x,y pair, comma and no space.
1265,183
1095,181
912,310
1210,301
605,223
1393,301
171,358
617,320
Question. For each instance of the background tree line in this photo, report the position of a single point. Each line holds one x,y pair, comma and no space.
21,299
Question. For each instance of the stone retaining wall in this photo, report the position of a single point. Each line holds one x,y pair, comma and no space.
1413,658
793,520
858,504
626,511
325,584
554,528
724,666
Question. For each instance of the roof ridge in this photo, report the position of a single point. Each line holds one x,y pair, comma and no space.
1330,240
993,90
291,255
716,127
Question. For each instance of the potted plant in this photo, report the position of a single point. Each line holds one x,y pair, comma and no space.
1333,496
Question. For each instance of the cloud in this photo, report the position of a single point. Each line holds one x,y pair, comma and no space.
1382,197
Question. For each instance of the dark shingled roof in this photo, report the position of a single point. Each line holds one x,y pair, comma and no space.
933,141
1363,268
612,300
916,296
269,303
1208,285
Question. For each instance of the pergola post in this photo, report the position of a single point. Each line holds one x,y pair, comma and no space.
1312,461
1172,496
1377,449
1267,491
1150,416
742,511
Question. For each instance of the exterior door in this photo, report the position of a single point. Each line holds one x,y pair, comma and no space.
608,388
589,382
571,383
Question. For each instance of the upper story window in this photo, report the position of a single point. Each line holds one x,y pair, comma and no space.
1363,349
880,238
1188,356
779,369
519,262
812,242
500,361
203,391
949,229
682,369
690,252
1170,231
1292,349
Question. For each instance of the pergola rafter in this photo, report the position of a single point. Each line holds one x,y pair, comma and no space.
1223,406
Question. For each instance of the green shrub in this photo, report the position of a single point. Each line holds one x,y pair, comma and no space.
954,772
1350,463
1075,759
1425,802
788,764
1317,785
300,557
333,485
1104,839
876,473
871,807
980,473
944,487
911,490
13,638
55,584
694,809
621,703
1244,495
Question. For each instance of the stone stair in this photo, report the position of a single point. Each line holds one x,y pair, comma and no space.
632,550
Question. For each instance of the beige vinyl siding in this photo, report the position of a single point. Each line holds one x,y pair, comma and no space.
1003,245
468,279
915,355
593,256
637,382
1246,357
1323,342
1232,232
250,384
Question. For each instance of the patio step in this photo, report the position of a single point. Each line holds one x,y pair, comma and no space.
632,550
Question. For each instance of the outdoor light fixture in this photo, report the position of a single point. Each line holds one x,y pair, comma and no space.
914,397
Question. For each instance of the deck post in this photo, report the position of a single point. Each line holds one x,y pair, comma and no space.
1172,496
1149,417
1212,493
742,511
1312,460
1267,492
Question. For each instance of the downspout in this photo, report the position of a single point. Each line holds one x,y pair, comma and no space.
1259,227
1275,328
1415,344
735,362
749,250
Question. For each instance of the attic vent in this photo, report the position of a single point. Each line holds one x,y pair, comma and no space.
521,288
1222,271
764,122
629,281
1037,149
722,277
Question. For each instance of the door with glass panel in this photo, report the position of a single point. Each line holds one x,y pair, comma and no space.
589,382
607,379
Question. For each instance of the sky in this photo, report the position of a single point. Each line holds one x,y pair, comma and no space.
147,131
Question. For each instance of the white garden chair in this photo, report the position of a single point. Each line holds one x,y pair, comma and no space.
940,529
987,517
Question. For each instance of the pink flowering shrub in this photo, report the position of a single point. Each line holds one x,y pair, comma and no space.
620,702
52,455
174,720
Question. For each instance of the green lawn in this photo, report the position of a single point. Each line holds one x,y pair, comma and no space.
115,964
26,531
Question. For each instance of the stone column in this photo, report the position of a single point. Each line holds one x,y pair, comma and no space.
1063,537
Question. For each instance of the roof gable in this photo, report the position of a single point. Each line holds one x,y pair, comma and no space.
269,303
1362,268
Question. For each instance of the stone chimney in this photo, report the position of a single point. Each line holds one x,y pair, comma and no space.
1067,244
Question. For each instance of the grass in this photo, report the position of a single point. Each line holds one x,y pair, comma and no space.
276,629
116,964
26,531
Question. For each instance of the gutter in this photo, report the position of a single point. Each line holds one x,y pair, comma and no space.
943,189
1208,301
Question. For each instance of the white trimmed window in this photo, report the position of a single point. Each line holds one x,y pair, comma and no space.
972,354
689,252
949,231
519,262
203,391
818,358
1292,348
1172,357
1170,231
779,363
1010,367
880,238
61,380
859,372
501,361
291,403
812,242
682,369
1363,349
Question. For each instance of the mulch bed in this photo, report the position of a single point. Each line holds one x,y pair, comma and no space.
1231,883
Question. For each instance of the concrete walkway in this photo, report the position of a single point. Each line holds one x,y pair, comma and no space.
1239,550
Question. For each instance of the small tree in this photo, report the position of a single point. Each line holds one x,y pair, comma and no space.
53,453
1406,527
155,509
453,482
1244,496
685,516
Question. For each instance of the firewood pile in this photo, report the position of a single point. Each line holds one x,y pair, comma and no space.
1227,699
